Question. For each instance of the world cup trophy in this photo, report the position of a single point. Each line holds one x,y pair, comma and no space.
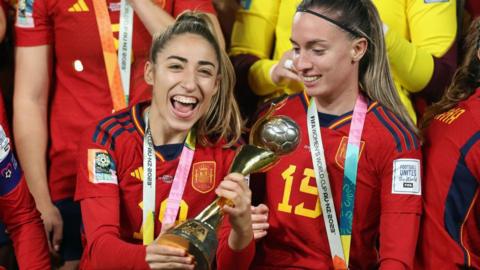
270,137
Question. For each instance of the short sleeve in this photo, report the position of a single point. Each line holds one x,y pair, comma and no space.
33,23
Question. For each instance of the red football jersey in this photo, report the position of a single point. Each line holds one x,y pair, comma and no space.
450,232
17,208
118,142
384,211
81,93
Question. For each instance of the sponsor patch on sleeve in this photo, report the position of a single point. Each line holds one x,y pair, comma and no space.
406,177
10,172
435,1
25,14
4,144
101,167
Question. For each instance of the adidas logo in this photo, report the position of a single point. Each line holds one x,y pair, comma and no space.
79,6
138,173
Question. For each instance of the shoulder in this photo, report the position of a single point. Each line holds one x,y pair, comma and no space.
108,130
385,127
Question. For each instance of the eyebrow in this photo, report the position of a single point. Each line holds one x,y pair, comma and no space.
184,60
310,42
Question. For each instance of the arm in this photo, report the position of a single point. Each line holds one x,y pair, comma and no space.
400,210
236,245
25,227
30,117
156,19
3,23
425,62
104,247
250,54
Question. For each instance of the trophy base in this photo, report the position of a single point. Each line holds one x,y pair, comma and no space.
195,237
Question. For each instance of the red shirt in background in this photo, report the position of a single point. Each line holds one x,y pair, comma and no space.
450,235
17,208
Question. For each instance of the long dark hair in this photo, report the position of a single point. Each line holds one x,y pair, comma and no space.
465,80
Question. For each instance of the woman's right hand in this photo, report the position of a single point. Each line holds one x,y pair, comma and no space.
167,257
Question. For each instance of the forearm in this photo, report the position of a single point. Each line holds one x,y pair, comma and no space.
26,229
30,119
105,249
398,239
412,66
236,249
3,23
155,19
108,251
259,77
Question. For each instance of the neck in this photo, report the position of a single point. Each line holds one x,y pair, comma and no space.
337,105
161,133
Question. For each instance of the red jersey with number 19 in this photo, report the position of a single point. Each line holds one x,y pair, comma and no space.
111,166
450,232
80,94
387,202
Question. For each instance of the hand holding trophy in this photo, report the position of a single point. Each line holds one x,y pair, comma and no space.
270,137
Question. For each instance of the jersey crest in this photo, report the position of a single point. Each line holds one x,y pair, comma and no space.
342,151
203,176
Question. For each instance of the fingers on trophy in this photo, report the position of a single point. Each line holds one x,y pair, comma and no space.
270,137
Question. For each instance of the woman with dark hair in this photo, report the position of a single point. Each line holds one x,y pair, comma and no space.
359,153
450,235
168,157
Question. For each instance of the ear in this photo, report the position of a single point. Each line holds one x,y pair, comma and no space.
149,73
359,48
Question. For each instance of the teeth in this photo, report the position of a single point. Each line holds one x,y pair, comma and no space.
185,100
311,78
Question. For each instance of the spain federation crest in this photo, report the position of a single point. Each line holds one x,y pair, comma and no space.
342,151
203,176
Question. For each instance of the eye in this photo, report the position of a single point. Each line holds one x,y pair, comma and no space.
175,67
318,51
206,71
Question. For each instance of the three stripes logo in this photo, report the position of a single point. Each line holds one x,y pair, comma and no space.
79,6
138,173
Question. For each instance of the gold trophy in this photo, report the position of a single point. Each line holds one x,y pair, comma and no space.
270,137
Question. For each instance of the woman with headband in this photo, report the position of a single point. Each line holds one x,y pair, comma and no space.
350,195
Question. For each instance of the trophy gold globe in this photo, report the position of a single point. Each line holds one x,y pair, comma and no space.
270,137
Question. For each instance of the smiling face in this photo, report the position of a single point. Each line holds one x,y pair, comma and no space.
325,57
184,78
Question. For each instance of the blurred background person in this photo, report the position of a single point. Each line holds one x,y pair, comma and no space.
450,236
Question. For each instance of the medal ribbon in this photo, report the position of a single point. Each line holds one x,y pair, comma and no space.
339,239
125,46
109,54
149,179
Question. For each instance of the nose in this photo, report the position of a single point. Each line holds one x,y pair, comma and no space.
189,81
301,62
